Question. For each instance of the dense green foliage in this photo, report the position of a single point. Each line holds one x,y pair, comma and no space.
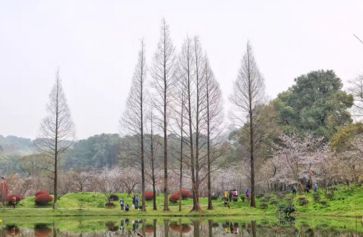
315,104
98,151
343,138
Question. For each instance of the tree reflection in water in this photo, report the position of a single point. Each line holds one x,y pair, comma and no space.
172,228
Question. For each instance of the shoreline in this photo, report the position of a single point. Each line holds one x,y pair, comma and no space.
62,212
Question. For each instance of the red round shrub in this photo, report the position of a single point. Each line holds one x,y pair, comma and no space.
14,197
41,193
43,199
149,196
174,197
185,194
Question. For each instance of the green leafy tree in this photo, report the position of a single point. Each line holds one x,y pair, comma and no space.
342,140
315,104
347,144
99,151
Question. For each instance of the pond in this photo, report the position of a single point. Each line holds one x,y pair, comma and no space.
117,226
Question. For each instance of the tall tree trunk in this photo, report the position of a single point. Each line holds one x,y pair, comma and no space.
153,164
197,135
181,153
55,186
251,126
166,204
252,163
192,165
142,130
210,205
248,94
56,147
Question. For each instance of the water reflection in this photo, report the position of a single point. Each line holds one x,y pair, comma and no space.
42,230
175,227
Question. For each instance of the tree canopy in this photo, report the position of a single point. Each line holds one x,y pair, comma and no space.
315,104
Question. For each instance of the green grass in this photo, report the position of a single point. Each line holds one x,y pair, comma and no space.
347,202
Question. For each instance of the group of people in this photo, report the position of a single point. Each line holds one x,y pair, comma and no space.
233,196
308,187
135,203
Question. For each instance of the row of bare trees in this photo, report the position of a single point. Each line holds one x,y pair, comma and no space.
183,96
184,99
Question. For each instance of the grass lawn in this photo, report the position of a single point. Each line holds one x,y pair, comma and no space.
346,202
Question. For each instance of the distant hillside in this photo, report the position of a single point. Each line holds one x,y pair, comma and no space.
99,151
16,146
96,152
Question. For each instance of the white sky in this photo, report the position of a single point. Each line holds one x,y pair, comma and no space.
95,44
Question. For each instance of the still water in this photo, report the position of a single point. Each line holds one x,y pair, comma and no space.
178,227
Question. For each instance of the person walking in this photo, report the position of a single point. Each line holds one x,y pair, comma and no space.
247,193
133,200
136,203
122,204
316,187
294,190
13,201
307,187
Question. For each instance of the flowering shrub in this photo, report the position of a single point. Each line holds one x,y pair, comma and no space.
41,193
185,194
174,197
149,196
13,197
43,199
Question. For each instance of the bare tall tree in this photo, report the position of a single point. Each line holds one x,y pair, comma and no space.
134,118
186,63
248,94
152,159
199,111
201,105
181,158
213,119
163,74
56,131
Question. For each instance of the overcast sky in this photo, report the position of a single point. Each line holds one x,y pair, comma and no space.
95,44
